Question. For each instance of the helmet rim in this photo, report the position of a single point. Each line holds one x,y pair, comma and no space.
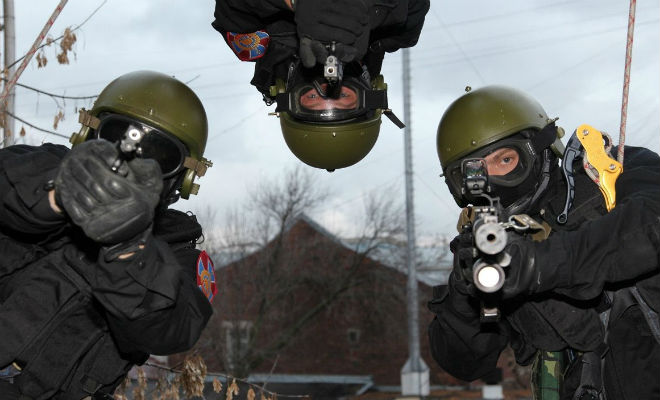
332,145
483,116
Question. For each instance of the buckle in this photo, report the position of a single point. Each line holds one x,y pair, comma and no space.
199,166
87,119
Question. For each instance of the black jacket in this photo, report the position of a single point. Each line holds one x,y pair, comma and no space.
597,251
394,24
74,320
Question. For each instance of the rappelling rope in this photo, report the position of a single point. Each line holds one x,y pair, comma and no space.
626,79
589,169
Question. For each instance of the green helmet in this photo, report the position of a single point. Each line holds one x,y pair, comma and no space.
473,124
319,140
483,116
163,104
330,146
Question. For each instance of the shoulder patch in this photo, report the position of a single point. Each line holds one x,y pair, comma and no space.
248,46
206,276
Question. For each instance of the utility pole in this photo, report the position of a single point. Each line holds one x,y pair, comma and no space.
10,57
415,373
10,83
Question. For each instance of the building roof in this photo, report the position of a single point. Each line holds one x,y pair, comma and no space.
433,262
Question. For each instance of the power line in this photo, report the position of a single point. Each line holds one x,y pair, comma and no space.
506,15
59,38
460,48
236,125
430,189
570,37
393,182
36,127
53,94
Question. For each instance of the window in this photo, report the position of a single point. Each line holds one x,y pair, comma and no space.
353,335
237,340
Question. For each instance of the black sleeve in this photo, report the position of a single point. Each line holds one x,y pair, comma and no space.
25,212
244,16
152,300
460,344
620,246
392,38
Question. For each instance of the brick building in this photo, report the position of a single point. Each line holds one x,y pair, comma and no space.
312,310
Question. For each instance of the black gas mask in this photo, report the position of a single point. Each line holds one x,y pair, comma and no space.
331,94
165,149
520,186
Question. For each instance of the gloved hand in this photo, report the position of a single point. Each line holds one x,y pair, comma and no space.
460,297
320,22
109,207
462,246
524,274
459,294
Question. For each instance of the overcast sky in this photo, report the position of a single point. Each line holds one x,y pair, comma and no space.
567,54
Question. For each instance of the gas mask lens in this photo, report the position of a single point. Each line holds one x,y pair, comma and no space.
311,102
507,164
311,98
155,144
502,161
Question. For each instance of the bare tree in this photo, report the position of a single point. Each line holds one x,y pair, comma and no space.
66,45
286,277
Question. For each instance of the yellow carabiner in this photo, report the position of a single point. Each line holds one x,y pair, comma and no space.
608,168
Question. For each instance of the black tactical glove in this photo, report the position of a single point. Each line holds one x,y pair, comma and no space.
321,22
524,275
459,293
462,246
456,297
109,207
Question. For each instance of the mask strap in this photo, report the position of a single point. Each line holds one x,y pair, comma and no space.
544,138
395,120
377,99
291,73
283,101
545,172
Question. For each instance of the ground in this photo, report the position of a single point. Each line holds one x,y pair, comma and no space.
447,395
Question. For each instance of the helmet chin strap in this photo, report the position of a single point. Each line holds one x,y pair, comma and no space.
169,195
526,203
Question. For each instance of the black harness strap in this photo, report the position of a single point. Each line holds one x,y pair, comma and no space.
650,316
591,378
10,392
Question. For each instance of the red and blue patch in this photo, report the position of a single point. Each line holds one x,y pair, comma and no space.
248,46
206,276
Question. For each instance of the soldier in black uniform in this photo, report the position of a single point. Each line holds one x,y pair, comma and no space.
96,272
589,293
328,121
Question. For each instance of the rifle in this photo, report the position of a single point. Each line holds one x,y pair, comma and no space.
128,147
489,238
333,72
